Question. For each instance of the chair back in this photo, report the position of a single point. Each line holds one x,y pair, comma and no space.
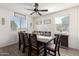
33,39
25,38
20,36
57,42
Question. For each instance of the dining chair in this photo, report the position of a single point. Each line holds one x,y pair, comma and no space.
35,45
25,42
20,39
54,47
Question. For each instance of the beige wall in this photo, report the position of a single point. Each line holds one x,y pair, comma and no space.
29,24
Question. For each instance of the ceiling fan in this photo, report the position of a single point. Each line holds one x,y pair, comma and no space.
36,10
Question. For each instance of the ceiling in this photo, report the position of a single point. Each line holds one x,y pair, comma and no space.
21,7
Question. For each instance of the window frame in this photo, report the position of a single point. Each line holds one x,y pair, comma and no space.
20,20
68,26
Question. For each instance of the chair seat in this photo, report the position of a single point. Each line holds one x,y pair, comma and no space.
40,47
51,46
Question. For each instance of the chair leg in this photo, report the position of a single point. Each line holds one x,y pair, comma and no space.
19,45
23,49
58,52
37,53
54,53
29,51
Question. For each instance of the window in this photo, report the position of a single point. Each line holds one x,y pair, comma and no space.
62,23
18,22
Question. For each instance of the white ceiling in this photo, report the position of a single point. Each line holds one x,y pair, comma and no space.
52,7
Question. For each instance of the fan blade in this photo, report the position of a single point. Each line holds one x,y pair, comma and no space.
43,10
32,13
36,5
29,9
39,14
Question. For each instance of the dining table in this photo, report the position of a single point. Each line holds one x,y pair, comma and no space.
45,40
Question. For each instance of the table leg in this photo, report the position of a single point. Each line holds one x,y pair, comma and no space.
45,49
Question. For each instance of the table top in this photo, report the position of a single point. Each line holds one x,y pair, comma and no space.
44,39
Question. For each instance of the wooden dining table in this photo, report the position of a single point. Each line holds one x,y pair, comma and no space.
45,40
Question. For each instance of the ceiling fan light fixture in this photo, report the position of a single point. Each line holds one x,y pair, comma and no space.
36,10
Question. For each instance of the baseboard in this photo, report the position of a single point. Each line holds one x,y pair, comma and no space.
74,49
70,48
4,45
